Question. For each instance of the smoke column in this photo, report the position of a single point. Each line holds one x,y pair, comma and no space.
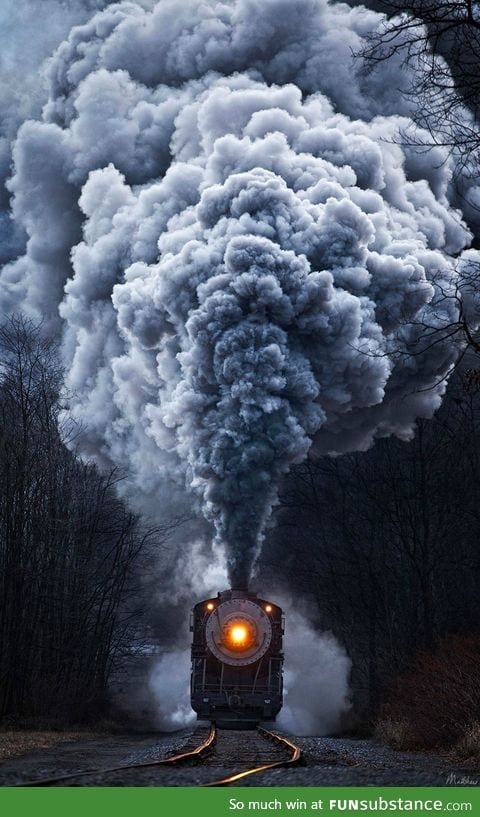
238,253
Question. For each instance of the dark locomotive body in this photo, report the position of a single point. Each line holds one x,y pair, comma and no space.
237,659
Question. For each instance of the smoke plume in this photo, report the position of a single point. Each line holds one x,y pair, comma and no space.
239,254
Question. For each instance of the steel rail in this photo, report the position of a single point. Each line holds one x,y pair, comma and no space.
197,752
277,764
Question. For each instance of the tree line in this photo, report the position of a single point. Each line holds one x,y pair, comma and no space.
69,547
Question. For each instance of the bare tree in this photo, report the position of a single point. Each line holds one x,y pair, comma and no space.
385,542
68,547
440,44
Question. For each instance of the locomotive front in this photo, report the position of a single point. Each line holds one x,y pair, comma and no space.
236,659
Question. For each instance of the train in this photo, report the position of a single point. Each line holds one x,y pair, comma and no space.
237,659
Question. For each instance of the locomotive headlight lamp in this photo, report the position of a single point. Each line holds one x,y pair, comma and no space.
239,634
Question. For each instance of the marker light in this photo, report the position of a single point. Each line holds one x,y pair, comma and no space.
268,608
210,606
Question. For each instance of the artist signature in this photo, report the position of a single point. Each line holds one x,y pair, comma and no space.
462,780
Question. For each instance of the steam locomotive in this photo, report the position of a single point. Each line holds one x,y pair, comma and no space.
237,659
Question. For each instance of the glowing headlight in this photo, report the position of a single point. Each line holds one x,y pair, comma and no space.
239,635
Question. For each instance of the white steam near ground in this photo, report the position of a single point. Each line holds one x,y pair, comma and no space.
316,678
316,675
316,670
215,213
168,691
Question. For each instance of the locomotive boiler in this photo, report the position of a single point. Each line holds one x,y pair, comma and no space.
237,659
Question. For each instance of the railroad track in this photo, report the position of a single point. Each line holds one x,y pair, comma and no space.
245,752
264,750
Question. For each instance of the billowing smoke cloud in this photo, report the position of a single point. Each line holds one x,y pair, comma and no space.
29,31
238,252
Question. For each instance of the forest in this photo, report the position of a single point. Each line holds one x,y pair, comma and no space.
68,548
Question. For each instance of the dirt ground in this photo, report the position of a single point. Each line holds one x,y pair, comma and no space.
326,762
14,743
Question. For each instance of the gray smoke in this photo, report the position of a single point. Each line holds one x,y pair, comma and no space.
238,253
29,31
